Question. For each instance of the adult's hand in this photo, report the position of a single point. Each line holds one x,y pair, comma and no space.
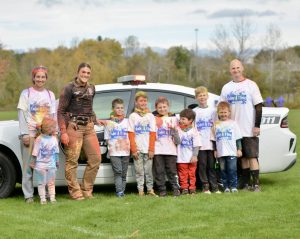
256,131
64,138
26,140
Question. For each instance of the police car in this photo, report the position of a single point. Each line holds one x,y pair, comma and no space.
277,142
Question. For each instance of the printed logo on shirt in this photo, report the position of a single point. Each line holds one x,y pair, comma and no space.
142,129
223,134
163,132
237,97
186,142
118,134
204,124
35,107
47,150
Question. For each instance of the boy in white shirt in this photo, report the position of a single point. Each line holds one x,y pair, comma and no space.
227,136
142,133
116,134
187,152
165,157
205,118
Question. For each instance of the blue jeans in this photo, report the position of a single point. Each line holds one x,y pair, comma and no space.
228,171
120,165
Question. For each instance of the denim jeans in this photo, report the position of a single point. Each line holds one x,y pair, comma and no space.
228,171
120,165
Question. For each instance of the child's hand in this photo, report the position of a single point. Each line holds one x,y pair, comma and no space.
194,159
26,140
150,155
239,153
135,155
215,153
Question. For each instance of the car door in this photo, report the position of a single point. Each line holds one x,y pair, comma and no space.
102,108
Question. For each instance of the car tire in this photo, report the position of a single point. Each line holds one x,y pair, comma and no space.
8,176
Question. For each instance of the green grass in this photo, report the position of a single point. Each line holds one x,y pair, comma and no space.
8,115
274,213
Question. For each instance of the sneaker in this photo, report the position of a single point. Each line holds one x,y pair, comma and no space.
53,201
234,190
226,190
152,193
162,193
246,187
192,191
185,191
206,191
29,200
43,202
256,189
141,193
217,192
120,194
176,193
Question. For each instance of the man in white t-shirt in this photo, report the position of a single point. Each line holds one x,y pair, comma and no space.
245,101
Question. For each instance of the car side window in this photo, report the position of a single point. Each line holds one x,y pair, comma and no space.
102,102
176,100
191,102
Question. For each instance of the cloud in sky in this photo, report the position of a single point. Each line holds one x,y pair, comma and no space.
164,23
225,13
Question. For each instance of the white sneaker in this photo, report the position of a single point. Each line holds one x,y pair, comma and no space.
234,190
226,190
206,191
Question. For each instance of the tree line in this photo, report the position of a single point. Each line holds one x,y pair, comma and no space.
276,70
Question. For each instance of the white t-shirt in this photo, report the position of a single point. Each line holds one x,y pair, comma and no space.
189,140
225,133
142,126
164,143
117,136
45,149
205,118
36,105
242,97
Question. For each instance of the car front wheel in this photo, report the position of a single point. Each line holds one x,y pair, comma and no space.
7,176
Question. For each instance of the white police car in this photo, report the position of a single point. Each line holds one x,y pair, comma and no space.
277,142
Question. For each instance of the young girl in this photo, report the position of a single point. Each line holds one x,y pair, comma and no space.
141,132
164,163
227,135
188,148
116,134
46,160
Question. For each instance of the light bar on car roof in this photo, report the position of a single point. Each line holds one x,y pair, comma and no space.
132,79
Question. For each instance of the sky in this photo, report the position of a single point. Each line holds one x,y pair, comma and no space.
29,24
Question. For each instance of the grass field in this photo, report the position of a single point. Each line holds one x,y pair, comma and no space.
273,213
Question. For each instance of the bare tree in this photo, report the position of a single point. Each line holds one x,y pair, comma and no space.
131,45
242,31
271,43
221,39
